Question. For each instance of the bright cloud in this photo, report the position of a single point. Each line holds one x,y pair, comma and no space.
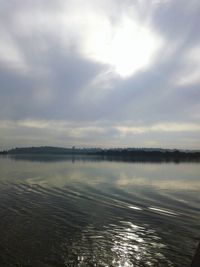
127,45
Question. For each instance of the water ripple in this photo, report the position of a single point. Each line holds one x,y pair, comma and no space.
80,221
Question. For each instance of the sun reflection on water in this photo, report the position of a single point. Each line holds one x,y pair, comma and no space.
122,245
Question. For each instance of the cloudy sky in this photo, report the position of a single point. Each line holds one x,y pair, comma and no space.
100,73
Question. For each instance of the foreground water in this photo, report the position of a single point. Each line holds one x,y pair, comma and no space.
76,212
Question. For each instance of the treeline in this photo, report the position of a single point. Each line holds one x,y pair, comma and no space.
49,150
133,154
153,155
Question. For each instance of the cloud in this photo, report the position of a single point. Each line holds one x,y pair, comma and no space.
112,72
54,132
190,74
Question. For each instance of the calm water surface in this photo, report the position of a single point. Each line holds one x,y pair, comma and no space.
98,213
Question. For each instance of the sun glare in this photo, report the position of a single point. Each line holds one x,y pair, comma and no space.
132,48
129,47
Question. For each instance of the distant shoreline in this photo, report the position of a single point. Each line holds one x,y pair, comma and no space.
117,154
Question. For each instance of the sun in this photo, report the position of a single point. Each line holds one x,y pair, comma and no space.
127,47
132,48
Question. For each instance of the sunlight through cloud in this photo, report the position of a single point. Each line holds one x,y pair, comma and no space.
126,47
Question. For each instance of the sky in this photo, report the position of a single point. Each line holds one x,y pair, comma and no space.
103,73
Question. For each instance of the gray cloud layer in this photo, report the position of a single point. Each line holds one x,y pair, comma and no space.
60,87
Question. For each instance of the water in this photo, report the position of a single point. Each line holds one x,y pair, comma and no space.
79,212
